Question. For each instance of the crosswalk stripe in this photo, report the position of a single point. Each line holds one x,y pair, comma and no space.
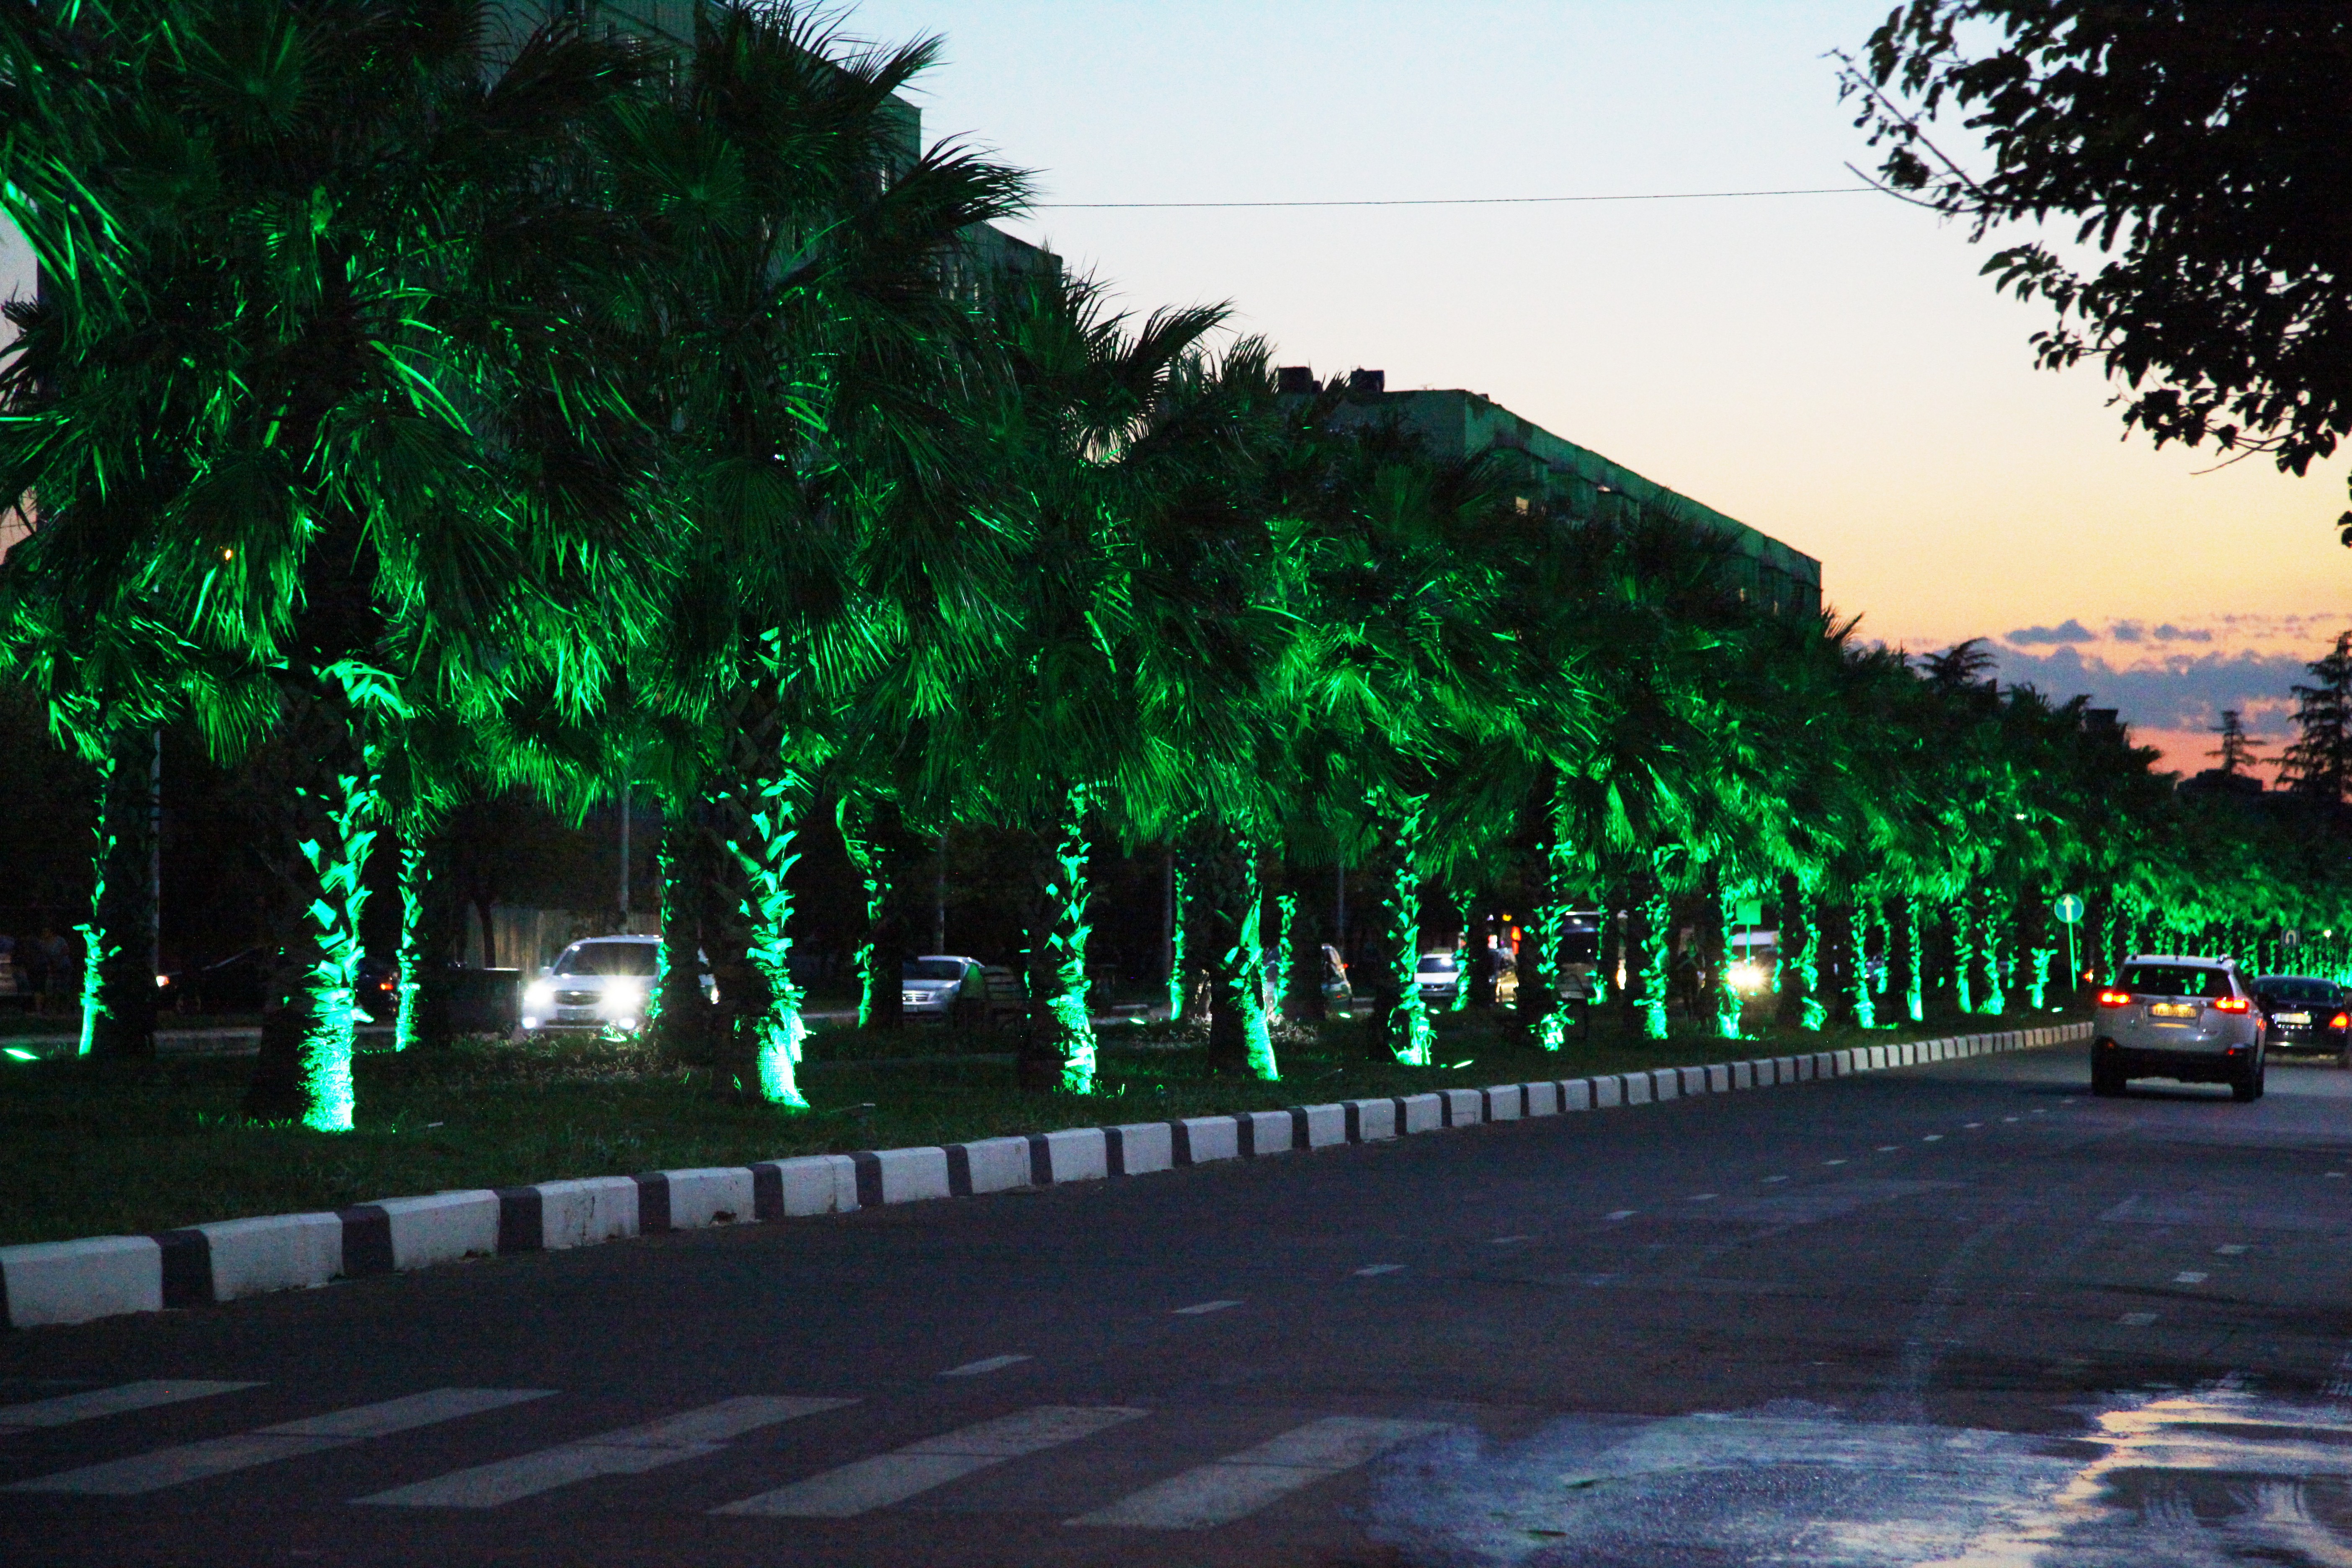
1239,1484
631,1451
290,1439
895,1476
67,1408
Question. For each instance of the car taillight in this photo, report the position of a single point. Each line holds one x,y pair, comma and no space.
2231,1004
2340,1021
2115,998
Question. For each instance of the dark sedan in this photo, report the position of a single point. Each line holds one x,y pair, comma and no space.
2303,1011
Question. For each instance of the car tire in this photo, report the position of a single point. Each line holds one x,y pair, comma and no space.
2246,1084
2107,1076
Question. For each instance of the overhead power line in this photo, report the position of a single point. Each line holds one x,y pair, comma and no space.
1470,201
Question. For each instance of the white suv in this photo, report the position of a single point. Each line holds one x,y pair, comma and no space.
2193,1019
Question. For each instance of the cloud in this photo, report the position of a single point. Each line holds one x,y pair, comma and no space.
2070,631
2128,631
2177,691
2170,633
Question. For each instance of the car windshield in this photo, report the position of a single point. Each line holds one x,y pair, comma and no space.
1438,964
931,969
606,958
2277,990
2173,980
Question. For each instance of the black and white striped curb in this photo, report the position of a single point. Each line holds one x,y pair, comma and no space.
100,1277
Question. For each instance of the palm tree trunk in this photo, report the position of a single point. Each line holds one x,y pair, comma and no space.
1990,948
1915,967
414,877
1180,910
1068,1022
1657,918
758,993
1802,994
1857,927
118,989
1232,898
1400,1023
1277,979
851,817
1727,993
1542,998
1964,957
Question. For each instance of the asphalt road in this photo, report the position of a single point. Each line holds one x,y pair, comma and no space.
1956,1314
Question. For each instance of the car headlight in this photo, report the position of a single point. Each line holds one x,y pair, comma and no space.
1747,976
539,996
624,996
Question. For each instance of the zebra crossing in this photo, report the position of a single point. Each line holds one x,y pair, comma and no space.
1224,1488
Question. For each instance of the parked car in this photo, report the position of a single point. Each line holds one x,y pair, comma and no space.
1336,991
1439,977
599,983
931,986
2302,1010
1754,956
2191,1019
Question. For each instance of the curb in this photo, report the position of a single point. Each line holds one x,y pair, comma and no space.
107,1275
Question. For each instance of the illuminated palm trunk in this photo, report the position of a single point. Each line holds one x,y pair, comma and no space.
414,873
2038,995
867,865
1804,965
1068,1022
1727,990
1179,912
118,981
1989,950
1886,929
1542,1000
337,858
1657,915
769,1022
1964,957
1277,979
1403,1021
1464,906
1914,968
1238,1030
1857,926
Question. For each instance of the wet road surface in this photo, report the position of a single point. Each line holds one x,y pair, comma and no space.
1958,1314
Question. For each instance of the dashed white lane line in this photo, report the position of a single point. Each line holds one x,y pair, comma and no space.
1239,1484
885,1479
1368,1269
984,1364
2231,1248
1621,1214
1969,1124
2335,1175
67,1408
632,1451
185,1462
1833,1161
1933,1138
2009,1118
1704,1197
2136,1320
1197,1308
1888,1148
1505,1240
2189,1276
1776,1179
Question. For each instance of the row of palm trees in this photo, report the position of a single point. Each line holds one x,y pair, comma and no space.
449,418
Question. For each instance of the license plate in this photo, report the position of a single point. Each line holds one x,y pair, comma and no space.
2293,1017
2172,1010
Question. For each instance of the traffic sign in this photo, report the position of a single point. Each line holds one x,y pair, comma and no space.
2068,909
1750,912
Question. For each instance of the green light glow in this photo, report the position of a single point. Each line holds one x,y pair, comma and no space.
1179,906
1915,969
1996,998
1804,963
1466,905
1244,967
1964,957
2038,997
1550,928
337,861
1729,895
1069,1020
98,953
1277,979
1658,918
412,874
1405,1026
1866,1015
766,856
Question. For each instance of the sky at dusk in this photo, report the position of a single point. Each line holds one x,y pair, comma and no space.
1829,368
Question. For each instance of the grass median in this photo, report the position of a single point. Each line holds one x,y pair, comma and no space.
92,1148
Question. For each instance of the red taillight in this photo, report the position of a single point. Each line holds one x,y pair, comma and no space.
2231,1004
2115,998
2341,1020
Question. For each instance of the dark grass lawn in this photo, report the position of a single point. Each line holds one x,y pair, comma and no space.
90,1148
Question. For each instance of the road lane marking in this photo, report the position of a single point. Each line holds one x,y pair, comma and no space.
1833,1161
1933,1138
1968,1124
631,1451
1776,1178
2009,1118
1505,1240
2136,1320
1368,1269
1239,1484
892,1478
2231,1248
67,1408
1199,1307
2188,1277
2335,1175
985,1364
186,1462
1621,1214
1704,1197
1888,1148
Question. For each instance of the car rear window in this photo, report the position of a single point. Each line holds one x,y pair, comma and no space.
2173,980
2319,991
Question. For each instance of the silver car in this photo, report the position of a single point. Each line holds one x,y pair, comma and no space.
599,983
931,986
2193,1019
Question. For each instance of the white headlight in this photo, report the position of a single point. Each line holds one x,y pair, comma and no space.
628,995
539,996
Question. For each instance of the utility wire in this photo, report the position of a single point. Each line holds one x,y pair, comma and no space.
1469,200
